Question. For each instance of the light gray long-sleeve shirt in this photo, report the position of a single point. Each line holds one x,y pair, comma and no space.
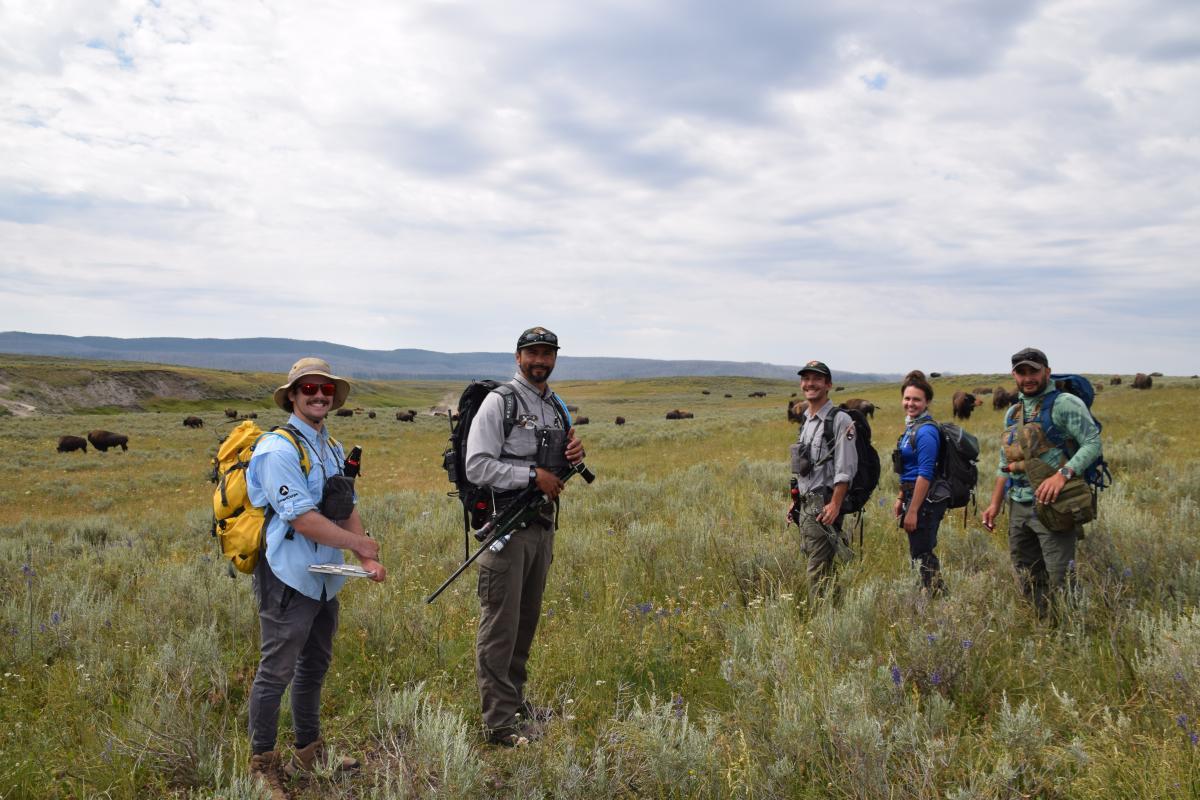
503,463
844,463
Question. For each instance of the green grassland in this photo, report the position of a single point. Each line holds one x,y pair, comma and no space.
676,645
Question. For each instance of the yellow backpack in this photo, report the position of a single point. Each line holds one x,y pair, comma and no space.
239,526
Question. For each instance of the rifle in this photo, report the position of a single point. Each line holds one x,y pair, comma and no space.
523,508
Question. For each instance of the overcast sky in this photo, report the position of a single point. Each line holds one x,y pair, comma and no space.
879,185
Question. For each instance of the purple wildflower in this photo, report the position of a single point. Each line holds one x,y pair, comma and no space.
42,627
968,644
644,608
27,571
1181,721
896,677
931,637
55,618
1127,573
677,706
936,678
1193,738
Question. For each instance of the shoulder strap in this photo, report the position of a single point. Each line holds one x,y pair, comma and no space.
562,412
289,432
508,394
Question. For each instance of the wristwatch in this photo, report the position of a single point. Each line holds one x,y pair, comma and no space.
1066,472
532,475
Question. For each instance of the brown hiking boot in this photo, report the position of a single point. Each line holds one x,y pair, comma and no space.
265,767
305,758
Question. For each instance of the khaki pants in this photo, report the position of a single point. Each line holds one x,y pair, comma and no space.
511,584
1044,560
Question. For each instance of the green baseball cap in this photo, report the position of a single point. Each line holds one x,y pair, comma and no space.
818,367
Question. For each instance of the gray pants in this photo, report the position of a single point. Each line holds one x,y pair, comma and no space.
297,646
1044,560
511,584
816,544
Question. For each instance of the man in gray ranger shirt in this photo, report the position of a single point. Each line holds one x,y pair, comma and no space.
512,573
822,475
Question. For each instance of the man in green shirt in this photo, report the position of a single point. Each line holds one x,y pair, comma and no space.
1068,442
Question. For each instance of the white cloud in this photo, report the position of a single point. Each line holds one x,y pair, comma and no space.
653,179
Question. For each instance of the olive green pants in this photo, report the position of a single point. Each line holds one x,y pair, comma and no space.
1044,561
511,584
817,542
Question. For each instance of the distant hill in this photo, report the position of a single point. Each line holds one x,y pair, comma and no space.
278,355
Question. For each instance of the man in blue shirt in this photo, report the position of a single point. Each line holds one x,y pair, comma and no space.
298,609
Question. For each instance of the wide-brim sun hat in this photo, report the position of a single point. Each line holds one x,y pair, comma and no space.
317,367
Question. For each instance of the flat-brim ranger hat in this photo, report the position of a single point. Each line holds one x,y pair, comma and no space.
312,366
817,367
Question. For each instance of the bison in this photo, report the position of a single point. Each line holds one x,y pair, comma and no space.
677,414
582,420
572,408
102,440
705,391
251,415
370,415
193,422
729,395
231,413
1099,387
1142,381
795,410
344,412
620,420
1156,374
963,403
757,394
979,390
66,444
865,406
935,374
1115,380
406,416
1002,398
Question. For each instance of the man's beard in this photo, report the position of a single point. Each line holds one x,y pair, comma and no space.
529,373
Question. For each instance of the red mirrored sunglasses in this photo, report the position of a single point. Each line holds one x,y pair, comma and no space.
310,389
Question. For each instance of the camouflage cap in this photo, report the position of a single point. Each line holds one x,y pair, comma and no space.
1031,356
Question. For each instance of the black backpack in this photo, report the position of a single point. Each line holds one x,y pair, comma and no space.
477,501
958,454
866,478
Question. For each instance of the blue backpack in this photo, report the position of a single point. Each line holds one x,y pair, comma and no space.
1096,475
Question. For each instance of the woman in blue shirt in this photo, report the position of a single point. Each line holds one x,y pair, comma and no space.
922,501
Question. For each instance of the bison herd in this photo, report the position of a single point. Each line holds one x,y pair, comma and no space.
962,404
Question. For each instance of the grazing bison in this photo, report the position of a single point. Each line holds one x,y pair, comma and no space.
981,390
1099,387
705,391
406,416
757,394
68,443
1002,398
620,420
251,415
935,374
370,415
231,413
102,440
677,414
839,388
572,409
1115,380
1142,381
193,422
857,403
582,420
1156,374
963,403
345,412
795,410
729,395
